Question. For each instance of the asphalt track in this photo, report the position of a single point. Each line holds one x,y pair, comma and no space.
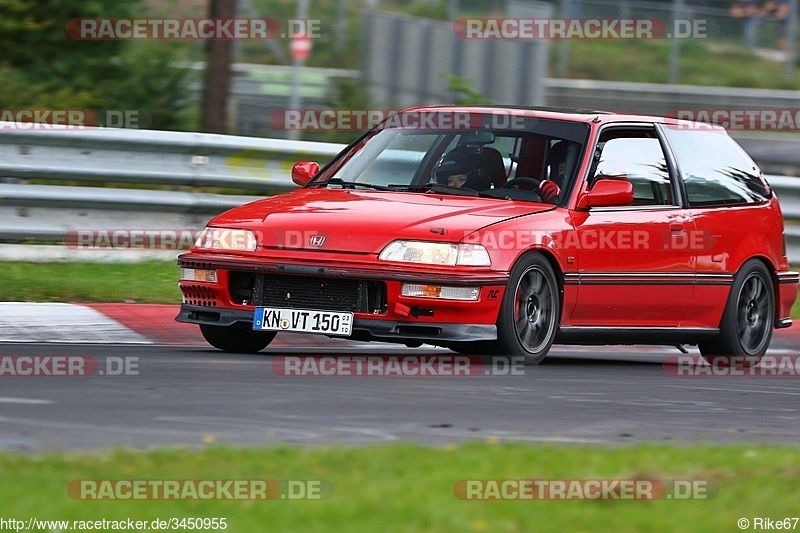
194,396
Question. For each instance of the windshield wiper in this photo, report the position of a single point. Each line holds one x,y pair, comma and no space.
346,184
445,189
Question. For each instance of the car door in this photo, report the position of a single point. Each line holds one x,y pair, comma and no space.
635,264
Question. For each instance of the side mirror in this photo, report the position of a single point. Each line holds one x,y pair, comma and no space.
303,171
607,193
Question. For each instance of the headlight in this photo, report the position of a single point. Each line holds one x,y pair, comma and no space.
436,253
227,239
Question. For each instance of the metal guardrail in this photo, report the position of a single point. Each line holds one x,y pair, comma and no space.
46,213
788,191
152,157
169,159
658,99
774,151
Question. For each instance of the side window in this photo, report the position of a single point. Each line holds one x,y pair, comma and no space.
715,170
640,161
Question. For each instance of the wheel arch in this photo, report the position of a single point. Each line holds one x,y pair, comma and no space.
551,258
773,274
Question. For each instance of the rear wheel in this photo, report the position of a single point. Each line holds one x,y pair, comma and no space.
238,338
746,327
531,310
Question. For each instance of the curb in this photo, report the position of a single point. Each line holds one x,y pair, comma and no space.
154,321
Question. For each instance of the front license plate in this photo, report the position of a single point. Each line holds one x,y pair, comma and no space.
302,321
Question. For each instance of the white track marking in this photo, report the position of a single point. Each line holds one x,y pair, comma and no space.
62,323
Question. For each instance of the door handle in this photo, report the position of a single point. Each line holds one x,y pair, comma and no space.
676,227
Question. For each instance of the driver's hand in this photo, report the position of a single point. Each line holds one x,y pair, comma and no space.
549,191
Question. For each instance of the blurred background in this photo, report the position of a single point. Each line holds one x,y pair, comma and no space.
392,54
365,55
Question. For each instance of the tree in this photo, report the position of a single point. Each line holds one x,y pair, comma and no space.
33,38
43,67
216,89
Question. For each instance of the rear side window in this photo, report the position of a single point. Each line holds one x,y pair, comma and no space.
715,170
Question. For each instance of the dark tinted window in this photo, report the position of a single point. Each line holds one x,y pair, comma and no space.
715,170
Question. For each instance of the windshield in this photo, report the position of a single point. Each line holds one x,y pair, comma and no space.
503,163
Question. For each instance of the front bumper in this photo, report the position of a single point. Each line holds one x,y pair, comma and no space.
363,329
376,271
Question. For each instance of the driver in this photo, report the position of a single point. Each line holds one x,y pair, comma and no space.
550,189
461,169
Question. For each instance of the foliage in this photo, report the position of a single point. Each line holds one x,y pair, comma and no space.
464,93
44,68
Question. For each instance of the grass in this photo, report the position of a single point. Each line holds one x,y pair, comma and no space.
147,282
410,487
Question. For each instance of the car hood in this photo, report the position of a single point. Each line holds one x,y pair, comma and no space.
366,221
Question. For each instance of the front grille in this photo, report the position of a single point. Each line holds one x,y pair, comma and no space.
326,293
198,295
310,293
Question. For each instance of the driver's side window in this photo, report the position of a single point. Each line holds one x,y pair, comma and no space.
638,158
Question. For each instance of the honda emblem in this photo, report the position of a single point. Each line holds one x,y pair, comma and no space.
317,240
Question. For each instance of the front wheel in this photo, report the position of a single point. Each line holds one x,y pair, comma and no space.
531,310
746,327
236,338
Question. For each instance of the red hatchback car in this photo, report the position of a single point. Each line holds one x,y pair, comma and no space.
501,231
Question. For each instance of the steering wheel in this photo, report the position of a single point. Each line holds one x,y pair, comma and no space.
527,184
522,188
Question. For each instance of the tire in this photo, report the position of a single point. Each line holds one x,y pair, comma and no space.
531,310
745,330
236,338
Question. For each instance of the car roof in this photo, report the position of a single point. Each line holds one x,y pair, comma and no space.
570,114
